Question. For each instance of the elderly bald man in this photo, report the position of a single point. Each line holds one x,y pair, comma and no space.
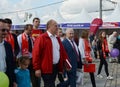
49,55
111,40
74,55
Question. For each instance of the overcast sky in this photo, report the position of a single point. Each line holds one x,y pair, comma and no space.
66,9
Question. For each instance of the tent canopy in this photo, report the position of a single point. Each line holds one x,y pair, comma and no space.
83,17
115,16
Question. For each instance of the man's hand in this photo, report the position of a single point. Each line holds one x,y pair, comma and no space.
60,72
38,73
98,56
68,69
85,61
14,84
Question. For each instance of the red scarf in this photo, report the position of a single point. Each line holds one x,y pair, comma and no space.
105,47
10,40
24,45
87,50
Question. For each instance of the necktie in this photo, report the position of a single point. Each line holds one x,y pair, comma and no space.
75,50
29,44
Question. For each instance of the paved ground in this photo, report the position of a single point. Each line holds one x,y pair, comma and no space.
114,70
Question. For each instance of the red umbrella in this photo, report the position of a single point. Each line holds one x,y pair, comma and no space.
96,23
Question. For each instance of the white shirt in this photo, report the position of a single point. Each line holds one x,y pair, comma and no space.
56,48
81,47
2,58
111,39
19,38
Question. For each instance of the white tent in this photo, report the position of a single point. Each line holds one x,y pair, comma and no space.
115,16
55,16
15,19
30,20
83,17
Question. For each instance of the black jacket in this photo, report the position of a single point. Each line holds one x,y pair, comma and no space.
17,49
10,63
99,48
117,44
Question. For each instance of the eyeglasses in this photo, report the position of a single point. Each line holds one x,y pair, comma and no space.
3,30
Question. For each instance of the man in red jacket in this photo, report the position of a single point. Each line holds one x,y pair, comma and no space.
49,55
36,32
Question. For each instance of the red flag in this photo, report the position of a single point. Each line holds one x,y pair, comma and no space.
96,23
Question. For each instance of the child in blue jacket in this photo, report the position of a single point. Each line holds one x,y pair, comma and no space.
22,73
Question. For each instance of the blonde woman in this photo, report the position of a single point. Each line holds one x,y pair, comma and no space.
85,49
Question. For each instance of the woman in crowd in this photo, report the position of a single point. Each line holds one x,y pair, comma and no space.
85,49
102,48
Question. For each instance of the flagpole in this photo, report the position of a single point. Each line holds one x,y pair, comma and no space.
100,13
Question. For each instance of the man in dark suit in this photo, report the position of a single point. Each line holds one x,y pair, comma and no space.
7,64
74,56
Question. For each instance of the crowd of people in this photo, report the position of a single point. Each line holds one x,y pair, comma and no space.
35,55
